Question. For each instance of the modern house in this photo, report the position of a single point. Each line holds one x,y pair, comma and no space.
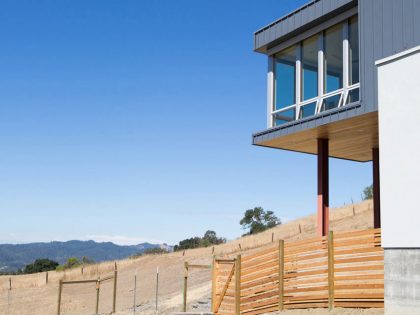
344,82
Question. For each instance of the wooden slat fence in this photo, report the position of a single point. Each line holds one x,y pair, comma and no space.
339,270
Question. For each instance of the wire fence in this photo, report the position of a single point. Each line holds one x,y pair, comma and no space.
37,294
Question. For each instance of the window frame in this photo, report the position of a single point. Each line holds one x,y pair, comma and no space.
319,99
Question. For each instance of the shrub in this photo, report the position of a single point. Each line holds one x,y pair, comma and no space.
40,265
209,238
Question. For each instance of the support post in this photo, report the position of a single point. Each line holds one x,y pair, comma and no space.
46,277
330,270
238,285
98,286
376,190
184,309
323,188
281,275
60,290
114,296
214,285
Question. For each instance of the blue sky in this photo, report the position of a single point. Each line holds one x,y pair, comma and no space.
131,121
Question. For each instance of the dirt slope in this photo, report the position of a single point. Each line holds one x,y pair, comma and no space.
30,295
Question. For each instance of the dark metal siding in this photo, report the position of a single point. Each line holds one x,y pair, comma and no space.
303,17
310,122
386,27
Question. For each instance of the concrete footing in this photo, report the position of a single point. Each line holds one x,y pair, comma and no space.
402,281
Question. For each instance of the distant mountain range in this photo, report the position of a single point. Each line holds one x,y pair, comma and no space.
16,256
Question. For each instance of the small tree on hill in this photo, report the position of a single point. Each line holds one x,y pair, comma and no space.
257,220
40,265
368,192
209,238
155,251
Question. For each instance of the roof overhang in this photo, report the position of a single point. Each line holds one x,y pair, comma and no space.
351,139
299,21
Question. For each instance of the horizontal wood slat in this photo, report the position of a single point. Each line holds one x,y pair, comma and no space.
357,279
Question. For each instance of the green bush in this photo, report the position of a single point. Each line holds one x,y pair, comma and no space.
74,262
40,265
209,238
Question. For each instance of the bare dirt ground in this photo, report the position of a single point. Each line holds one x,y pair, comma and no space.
30,295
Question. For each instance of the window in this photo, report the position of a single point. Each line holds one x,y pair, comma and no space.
333,58
285,68
310,68
307,110
284,116
318,74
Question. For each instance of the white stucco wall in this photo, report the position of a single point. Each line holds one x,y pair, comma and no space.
399,145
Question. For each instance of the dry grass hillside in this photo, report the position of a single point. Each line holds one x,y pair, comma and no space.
30,295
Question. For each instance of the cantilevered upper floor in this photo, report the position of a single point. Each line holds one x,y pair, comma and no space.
322,79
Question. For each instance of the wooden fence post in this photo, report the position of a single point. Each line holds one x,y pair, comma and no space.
185,287
46,277
157,287
331,270
238,285
10,283
98,285
60,290
114,297
214,284
281,275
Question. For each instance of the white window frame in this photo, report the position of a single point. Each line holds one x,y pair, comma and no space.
343,92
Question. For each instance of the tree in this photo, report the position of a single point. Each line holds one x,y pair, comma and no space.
40,265
257,220
193,242
155,251
368,192
209,238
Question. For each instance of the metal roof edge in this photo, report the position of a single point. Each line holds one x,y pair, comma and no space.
312,2
397,56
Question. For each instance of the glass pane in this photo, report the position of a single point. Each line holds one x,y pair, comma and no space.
284,117
333,52
330,102
354,50
310,68
285,65
307,110
353,96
